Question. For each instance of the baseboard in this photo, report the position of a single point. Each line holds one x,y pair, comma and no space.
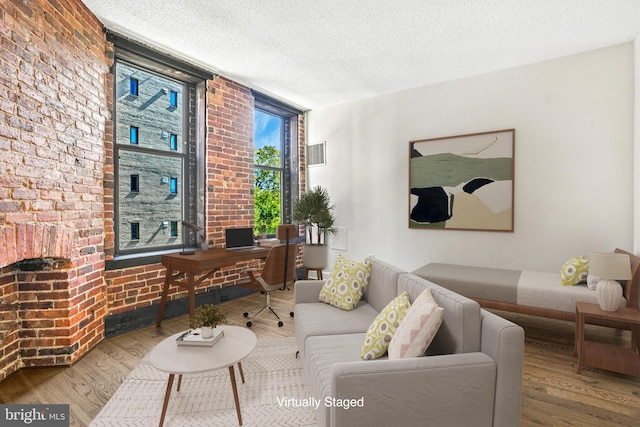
132,320
128,321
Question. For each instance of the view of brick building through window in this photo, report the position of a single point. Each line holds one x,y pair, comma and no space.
151,105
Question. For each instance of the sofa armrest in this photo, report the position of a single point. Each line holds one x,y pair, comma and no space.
504,342
307,291
454,389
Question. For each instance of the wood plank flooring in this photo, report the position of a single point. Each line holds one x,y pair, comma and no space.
552,393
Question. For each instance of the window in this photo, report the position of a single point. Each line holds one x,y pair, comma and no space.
135,183
133,134
268,150
173,98
275,163
148,221
133,86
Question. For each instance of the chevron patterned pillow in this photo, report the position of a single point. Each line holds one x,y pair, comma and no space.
417,329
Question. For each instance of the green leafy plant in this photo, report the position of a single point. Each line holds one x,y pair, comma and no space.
208,315
315,211
267,191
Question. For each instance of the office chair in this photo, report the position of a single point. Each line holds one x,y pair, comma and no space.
286,233
281,259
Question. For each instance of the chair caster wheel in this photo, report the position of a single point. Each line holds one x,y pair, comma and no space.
280,324
291,314
249,324
245,314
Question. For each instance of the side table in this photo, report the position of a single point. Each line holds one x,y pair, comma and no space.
236,344
624,360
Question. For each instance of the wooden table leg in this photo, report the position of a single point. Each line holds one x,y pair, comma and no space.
166,399
165,294
579,339
235,393
241,372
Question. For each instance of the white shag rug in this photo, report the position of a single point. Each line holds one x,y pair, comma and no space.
272,373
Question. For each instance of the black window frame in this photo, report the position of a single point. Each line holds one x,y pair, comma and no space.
290,160
151,60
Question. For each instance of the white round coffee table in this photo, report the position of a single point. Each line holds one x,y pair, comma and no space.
236,344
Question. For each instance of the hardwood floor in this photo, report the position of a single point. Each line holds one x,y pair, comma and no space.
552,393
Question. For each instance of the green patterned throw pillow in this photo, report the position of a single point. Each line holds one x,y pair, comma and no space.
381,330
575,270
346,283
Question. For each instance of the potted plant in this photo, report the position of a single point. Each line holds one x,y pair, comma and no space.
314,210
207,317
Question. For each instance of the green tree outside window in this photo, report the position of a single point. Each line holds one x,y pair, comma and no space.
267,190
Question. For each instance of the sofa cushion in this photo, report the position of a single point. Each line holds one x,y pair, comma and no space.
460,329
472,376
346,283
383,327
322,319
383,284
417,329
321,353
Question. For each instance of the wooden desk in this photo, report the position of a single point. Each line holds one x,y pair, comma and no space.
205,263
608,356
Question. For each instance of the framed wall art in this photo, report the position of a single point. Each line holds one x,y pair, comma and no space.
462,182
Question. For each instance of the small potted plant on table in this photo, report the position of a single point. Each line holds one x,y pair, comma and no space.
207,317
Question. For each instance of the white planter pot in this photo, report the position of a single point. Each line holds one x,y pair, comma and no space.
315,256
206,332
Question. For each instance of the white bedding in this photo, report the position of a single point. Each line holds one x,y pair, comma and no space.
543,290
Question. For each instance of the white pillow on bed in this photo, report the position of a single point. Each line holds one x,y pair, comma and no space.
592,281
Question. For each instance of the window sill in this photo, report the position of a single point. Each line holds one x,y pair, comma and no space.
134,260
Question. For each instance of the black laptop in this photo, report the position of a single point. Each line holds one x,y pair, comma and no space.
239,239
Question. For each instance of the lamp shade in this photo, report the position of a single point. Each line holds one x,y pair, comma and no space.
610,265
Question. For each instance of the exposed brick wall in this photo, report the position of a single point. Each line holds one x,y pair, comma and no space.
229,187
9,322
52,112
57,184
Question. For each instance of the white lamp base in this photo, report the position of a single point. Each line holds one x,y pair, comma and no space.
609,293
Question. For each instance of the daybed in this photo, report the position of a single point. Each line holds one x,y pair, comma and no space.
471,373
526,292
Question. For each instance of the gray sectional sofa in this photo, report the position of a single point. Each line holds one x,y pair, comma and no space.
471,373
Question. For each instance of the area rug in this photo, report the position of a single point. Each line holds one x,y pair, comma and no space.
272,375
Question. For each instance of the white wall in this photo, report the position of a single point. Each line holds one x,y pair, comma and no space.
573,162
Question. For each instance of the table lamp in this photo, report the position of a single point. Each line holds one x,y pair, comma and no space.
193,228
609,267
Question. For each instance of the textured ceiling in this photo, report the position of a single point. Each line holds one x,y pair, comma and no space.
323,52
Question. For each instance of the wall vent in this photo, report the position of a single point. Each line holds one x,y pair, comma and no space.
316,154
